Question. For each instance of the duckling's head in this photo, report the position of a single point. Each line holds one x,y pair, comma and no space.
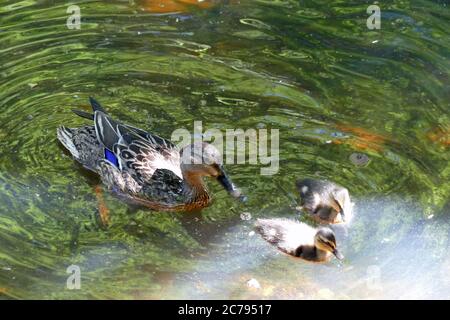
203,159
326,241
342,198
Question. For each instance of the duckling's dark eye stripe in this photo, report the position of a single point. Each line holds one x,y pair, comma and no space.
332,245
328,243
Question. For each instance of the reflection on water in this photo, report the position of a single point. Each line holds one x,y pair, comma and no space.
385,258
173,6
367,109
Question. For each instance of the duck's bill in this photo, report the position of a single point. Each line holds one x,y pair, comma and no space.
341,214
229,186
338,255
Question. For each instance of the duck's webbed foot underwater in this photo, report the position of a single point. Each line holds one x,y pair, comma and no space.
103,211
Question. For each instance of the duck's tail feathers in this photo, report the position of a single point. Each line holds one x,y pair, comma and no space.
65,136
106,130
95,107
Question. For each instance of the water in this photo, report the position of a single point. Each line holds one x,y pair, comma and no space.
311,69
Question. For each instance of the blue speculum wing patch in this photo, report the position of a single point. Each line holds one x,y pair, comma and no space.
111,157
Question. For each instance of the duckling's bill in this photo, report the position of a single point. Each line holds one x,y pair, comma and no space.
338,255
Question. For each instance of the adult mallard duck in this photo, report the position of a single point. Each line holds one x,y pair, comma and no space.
142,167
299,240
325,201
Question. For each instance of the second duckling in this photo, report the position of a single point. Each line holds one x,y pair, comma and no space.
299,240
326,201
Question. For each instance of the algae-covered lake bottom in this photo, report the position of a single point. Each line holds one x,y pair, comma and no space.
368,109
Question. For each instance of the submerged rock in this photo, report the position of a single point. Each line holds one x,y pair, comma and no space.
246,216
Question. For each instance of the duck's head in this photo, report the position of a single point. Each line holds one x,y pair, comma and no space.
326,241
342,198
203,159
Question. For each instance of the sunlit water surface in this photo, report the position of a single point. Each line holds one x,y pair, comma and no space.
311,69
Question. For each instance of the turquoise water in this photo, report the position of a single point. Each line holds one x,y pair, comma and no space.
310,69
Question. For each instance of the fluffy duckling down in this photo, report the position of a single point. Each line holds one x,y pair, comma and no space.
325,201
299,239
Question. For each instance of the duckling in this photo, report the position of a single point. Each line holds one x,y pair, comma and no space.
325,201
299,240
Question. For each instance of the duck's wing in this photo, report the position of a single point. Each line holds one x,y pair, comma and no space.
165,187
128,148
138,152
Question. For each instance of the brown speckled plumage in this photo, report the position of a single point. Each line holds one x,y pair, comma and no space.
141,167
